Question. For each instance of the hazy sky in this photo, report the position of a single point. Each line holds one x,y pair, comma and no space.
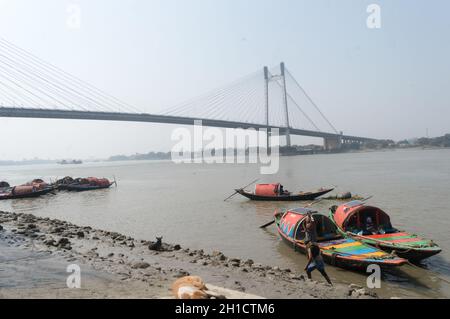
391,82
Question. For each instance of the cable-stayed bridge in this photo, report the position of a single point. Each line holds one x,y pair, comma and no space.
271,98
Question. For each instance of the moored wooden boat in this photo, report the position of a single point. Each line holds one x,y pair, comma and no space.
84,184
274,192
4,184
13,194
82,188
373,226
336,249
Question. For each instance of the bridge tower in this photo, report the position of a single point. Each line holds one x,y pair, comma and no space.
285,100
266,100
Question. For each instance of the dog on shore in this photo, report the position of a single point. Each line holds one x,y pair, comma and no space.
192,287
156,245
189,287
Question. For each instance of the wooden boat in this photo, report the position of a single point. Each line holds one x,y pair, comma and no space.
85,187
11,194
84,184
274,192
65,162
336,249
372,226
4,184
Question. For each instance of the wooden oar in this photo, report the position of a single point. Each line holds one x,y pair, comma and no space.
273,221
314,202
240,189
268,224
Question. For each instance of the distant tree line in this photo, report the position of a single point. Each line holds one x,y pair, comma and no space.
141,157
26,162
440,141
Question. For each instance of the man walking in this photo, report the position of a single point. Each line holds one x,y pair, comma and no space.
315,261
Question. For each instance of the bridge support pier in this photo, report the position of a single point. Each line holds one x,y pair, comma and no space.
332,143
288,138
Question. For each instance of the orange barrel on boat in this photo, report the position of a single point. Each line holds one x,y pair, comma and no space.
103,182
92,180
267,189
37,183
40,185
98,181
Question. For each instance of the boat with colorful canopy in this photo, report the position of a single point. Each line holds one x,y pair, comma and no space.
373,226
275,192
336,249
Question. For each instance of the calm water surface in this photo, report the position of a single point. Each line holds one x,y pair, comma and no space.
184,203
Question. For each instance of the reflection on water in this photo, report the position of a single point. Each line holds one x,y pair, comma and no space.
185,204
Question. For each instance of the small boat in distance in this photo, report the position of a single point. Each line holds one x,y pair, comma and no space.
337,250
65,162
275,192
373,226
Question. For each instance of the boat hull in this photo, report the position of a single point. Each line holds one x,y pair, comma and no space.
28,195
344,252
414,255
346,263
298,197
411,253
82,188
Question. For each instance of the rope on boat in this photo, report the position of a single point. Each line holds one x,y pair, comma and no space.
333,258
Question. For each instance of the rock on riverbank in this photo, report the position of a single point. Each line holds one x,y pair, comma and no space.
131,261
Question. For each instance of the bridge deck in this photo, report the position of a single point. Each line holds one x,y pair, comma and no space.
153,118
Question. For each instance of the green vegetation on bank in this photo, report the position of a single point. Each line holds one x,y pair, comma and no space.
424,142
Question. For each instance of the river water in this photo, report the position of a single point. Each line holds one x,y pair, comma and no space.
185,204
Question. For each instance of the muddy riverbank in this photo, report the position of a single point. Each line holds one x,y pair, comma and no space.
35,253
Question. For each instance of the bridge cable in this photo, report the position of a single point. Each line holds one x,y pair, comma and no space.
244,95
18,96
292,100
216,96
20,76
312,102
10,94
58,89
56,71
34,86
70,78
62,90
20,85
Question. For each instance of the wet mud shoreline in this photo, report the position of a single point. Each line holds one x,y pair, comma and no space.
35,252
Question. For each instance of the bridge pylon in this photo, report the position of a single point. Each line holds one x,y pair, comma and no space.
267,78
266,102
285,101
